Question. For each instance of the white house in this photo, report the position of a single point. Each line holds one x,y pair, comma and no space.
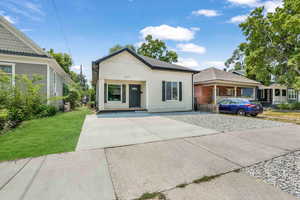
127,81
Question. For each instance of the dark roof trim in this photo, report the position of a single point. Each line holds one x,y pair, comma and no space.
143,61
22,54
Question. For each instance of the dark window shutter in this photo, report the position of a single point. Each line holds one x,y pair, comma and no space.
180,91
105,93
123,93
163,91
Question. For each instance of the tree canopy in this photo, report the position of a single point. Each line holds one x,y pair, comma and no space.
155,48
272,44
63,59
118,47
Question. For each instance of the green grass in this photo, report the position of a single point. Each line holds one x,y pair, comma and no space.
155,195
206,178
39,137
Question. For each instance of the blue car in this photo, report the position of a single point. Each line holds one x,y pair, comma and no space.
240,107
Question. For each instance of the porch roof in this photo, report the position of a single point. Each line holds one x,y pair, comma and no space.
212,74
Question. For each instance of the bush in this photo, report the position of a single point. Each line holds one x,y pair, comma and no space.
289,106
46,111
23,101
3,119
283,106
91,104
73,98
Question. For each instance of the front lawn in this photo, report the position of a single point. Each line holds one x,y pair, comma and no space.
291,117
38,137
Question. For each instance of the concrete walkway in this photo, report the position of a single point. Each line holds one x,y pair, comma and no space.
127,172
102,132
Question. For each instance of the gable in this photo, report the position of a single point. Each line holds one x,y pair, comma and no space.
12,41
123,65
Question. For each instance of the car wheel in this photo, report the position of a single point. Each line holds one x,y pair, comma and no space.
241,112
253,115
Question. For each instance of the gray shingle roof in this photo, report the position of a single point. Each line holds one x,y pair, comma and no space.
11,44
214,74
150,62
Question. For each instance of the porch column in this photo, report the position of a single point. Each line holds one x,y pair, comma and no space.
273,95
254,93
101,95
215,94
235,91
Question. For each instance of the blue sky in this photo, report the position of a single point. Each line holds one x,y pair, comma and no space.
203,33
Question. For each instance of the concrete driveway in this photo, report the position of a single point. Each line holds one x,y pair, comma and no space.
119,129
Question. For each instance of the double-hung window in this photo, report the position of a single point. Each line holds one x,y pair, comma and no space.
7,73
171,90
292,94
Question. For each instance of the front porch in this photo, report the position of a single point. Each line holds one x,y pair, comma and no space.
212,94
122,95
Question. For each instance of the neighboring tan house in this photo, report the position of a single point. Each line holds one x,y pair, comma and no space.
274,93
127,81
212,85
20,55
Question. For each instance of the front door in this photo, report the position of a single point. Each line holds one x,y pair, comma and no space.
134,96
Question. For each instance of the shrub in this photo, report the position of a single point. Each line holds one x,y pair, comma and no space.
23,101
91,104
46,111
283,106
3,119
289,106
73,98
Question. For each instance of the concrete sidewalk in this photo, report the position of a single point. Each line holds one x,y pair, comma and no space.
127,172
77,175
232,186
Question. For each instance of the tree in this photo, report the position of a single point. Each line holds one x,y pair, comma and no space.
272,44
63,59
118,47
236,61
157,49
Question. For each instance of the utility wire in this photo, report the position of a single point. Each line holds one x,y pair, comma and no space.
61,27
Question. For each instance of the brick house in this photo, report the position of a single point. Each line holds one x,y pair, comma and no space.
212,85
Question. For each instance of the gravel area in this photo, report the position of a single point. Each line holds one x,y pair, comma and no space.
282,172
226,123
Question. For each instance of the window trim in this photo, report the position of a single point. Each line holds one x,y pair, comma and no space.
121,90
13,71
276,90
177,84
294,92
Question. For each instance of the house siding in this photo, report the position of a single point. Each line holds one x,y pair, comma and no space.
125,67
9,42
33,69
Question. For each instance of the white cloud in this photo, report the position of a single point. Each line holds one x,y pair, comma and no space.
206,13
188,62
251,3
238,19
191,48
30,9
271,6
216,64
75,68
166,32
26,29
8,18
34,8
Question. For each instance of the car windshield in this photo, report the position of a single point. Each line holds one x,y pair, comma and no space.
242,101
